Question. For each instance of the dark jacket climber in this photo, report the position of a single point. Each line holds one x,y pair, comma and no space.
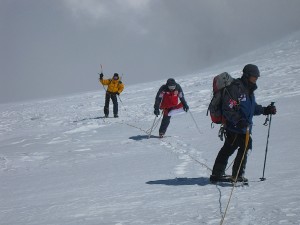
239,107
167,99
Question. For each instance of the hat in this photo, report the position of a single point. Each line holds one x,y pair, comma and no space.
171,82
116,75
251,70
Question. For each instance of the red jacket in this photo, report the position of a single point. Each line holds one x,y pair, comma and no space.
168,100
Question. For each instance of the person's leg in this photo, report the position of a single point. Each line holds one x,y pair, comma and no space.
238,159
106,106
226,151
115,103
164,124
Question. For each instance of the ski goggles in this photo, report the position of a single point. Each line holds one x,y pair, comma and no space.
172,87
115,78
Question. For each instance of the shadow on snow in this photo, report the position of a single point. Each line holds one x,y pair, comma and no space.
201,181
142,137
92,118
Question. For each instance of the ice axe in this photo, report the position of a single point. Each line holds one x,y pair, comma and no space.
99,76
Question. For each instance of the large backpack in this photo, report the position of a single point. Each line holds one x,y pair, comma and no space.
215,106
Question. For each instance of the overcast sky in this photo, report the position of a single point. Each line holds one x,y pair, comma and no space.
51,48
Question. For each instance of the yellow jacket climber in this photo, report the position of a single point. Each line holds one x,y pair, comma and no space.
114,88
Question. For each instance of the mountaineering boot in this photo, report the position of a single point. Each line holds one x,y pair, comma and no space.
106,111
161,135
241,179
218,173
219,170
116,116
214,178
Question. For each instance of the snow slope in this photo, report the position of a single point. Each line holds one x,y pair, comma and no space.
62,164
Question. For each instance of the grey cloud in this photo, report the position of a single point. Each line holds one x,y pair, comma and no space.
51,48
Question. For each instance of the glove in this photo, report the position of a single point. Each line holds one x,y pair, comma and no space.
101,76
186,107
242,124
118,93
270,109
156,112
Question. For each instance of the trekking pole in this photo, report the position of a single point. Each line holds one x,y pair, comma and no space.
266,152
149,135
120,99
121,103
119,96
247,137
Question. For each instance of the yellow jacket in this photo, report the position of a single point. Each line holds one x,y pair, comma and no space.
113,86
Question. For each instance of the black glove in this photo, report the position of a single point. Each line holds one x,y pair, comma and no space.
185,107
118,93
270,109
242,124
101,76
156,112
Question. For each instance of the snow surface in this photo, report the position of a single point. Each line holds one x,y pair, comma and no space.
61,163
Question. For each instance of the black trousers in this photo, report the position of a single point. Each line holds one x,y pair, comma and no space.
233,141
164,124
114,99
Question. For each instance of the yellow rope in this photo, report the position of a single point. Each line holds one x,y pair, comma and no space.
235,179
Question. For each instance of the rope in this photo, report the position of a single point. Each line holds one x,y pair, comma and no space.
202,164
155,124
229,165
195,122
147,132
235,179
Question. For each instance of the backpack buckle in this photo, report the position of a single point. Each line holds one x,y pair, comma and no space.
221,133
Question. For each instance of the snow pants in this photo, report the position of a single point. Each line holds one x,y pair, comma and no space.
164,124
233,141
114,99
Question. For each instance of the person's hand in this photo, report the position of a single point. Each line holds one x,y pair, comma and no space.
242,124
186,107
156,112
101,76
118,93
270,109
